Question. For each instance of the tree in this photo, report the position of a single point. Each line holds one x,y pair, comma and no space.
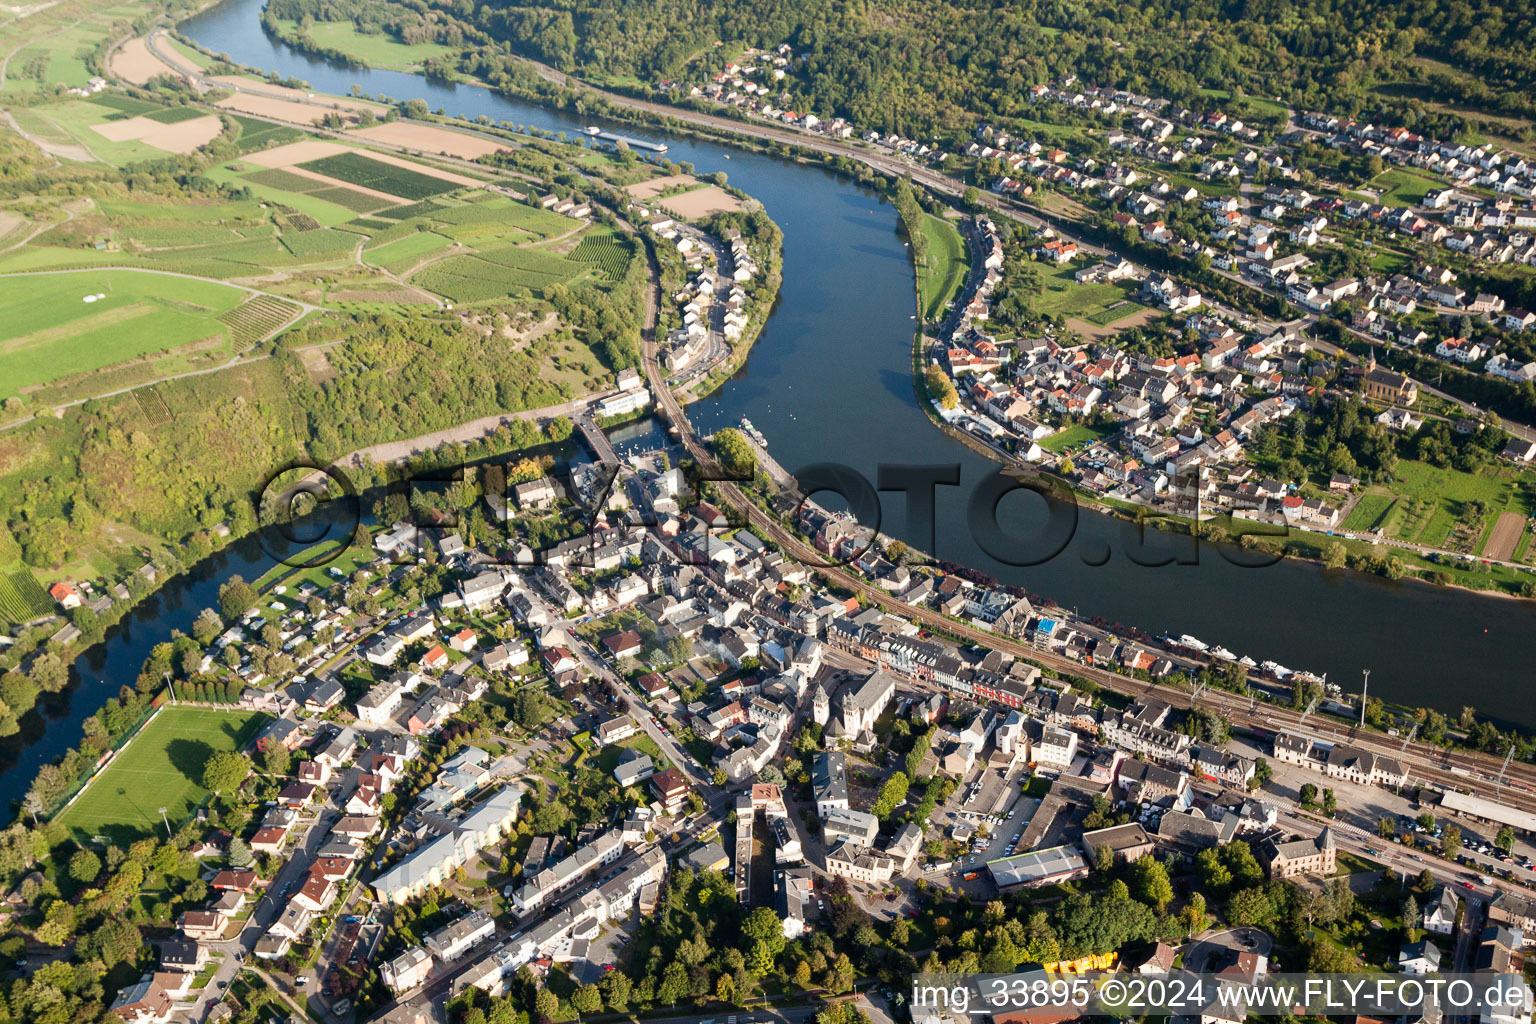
206,626
1149,881
236,597
275,759
546,1004
529,708
1330,803
679,649
1194,913
49,673
735,452
892,794
58,924
587,999
940,388
1411,915
1385,827
1308,795
224,771
1450,842
616,991
840,975
1335,555
1213,874
117,941
674,983
1250,906
1505,839
239,853
84,866
1262,774
763,925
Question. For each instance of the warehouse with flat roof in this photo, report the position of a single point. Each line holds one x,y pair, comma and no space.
1038,867
1488,810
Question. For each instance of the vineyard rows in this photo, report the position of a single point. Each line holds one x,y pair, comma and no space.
22,598
252,320
369,173
607,250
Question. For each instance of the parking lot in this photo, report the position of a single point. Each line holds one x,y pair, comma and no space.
991,802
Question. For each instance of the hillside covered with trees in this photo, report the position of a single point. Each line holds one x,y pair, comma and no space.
917,66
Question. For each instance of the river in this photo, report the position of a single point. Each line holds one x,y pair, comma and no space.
829,380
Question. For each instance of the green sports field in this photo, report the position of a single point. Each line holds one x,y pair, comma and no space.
160,767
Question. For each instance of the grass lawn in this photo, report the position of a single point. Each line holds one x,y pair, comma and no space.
160,767
1074,436
608,757
1403,188
1115,313
1064,297
942,274
52,332
341,554
377,50
1367,512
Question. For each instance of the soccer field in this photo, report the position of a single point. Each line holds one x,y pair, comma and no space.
160,767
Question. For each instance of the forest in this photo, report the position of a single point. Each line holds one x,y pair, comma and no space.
925,66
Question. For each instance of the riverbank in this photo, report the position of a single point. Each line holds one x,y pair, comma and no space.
826,381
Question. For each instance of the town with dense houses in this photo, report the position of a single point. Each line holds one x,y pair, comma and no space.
474,775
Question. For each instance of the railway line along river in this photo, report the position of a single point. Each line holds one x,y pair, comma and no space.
829,380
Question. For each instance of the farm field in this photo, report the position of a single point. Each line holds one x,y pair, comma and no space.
110,133
496,273
429,139
50,44
160,767
701,202
134,63
1434,507
943,272
1505,535
53,332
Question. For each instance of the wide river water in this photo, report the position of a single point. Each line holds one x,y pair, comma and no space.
829,380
